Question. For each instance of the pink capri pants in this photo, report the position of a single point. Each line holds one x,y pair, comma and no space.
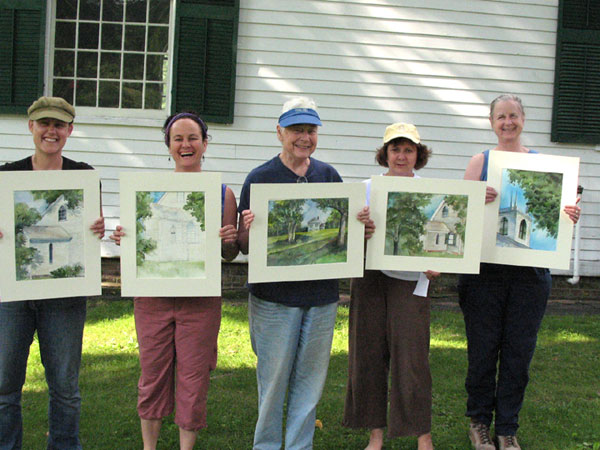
177,339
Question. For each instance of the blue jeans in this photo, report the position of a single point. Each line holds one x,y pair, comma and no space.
59,324
502,320
293,347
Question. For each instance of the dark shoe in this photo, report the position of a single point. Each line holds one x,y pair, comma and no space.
479,433
508,443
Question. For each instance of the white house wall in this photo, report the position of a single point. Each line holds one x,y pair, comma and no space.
367,63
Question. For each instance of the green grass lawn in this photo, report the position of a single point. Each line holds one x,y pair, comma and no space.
561,411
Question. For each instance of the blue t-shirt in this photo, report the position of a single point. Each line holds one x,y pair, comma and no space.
292,293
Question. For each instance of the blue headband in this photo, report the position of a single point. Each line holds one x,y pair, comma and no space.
299,115
184,115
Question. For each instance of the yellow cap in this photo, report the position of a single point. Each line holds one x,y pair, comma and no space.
401,130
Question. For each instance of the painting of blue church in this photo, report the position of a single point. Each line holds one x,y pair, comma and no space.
514,226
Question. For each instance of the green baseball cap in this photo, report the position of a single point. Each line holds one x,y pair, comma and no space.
51,107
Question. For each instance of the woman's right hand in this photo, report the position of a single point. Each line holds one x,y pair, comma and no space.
490,194
248,218
117,235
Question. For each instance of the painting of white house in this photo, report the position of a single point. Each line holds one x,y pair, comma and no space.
171,237
49,234
425,224
529,209
171,245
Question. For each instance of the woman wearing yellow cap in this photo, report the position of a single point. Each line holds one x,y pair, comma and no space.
389,328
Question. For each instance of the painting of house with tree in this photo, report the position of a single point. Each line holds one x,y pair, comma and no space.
170,234
307,231
529,211
425,224
49,234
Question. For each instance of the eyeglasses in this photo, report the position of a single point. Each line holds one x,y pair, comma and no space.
302,179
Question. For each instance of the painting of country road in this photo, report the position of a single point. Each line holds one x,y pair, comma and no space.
49,234
425,224
170,234
529,209
307,231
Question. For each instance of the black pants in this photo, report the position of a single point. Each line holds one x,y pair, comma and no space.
502,319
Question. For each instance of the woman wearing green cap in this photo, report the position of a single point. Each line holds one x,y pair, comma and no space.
389,327
58,322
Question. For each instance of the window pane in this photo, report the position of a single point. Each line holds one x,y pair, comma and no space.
111,36
66,9
159,11
64,63
64,37
158,39
110,66
87,64
135,11
135,38
88,35
155,67
112,10
86,93
132,95
154,96
109,94
133,67
89,9
64,89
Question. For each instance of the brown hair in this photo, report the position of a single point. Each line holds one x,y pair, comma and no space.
423,153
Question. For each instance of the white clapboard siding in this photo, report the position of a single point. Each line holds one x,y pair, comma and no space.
367,63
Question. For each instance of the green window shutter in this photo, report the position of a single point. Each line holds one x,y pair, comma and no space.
576,109
22,28
205,56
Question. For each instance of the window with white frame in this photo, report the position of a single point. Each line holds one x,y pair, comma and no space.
111,53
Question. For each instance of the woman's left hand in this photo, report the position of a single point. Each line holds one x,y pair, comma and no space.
98,227
573,211
431,274
228,234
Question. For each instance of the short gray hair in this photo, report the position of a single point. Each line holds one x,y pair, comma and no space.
299,102
506,97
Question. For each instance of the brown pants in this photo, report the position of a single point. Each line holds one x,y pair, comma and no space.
389,329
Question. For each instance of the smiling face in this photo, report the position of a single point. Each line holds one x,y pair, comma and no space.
50,135
298,141
186,145
507,120
401,157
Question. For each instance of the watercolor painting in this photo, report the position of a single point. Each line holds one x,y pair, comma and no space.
170,234
529,211
307,231
425,224
48,234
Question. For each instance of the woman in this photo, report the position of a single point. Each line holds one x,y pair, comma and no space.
59,321
389,328
503,308
291,323
177,336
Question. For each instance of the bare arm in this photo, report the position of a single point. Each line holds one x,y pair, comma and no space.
228,231
245,220
473,172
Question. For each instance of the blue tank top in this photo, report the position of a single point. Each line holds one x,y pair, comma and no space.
486,159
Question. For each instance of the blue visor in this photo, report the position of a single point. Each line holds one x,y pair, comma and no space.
299,115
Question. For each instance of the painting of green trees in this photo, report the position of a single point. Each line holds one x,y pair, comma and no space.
307,231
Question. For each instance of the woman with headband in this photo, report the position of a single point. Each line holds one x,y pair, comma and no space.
177,336
291,323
